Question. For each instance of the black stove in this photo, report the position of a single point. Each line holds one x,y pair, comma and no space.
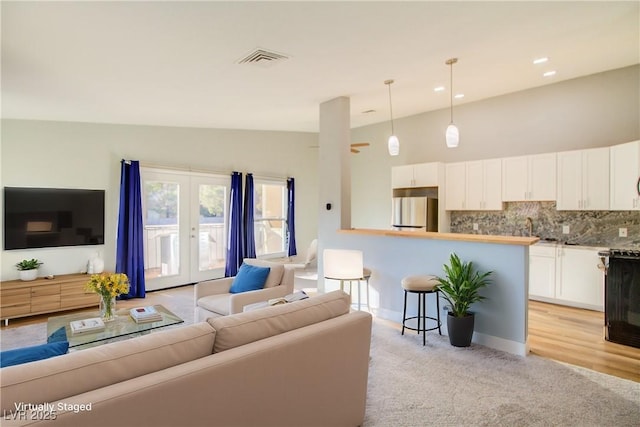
622,296
624,253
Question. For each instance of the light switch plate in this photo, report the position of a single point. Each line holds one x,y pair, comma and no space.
565,229
622,232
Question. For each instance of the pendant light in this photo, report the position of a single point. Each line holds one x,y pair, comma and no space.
393,144
452,135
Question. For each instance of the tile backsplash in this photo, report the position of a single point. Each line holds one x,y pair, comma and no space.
589,228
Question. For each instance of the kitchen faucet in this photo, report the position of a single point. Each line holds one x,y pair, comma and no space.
530,225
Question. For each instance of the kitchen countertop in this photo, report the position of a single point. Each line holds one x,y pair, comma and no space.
569,245
480,238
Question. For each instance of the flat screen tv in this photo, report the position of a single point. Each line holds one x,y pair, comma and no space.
52,217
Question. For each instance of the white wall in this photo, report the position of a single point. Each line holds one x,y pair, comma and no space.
593,111
598,110
80,155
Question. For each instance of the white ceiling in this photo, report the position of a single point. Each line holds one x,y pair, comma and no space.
175,63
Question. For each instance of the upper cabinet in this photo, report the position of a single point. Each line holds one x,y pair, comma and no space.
455,178
625,176
474,185
529,178
484,182
418,175
583,179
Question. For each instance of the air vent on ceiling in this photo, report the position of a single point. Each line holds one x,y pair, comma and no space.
263,57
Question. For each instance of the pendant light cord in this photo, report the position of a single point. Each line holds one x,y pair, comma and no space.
388,83
451,91
450,63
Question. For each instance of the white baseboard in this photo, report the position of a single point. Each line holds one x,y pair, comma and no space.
513,347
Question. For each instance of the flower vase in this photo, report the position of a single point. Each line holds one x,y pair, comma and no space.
107,308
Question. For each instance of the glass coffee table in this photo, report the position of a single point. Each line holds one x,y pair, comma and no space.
123,326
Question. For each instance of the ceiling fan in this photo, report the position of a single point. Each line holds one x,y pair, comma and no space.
354,147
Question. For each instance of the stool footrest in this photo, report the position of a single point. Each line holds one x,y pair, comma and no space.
438,324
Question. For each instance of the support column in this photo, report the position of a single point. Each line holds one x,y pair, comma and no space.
334,171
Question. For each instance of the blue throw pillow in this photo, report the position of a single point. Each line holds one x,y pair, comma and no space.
249,278
59,334
30,354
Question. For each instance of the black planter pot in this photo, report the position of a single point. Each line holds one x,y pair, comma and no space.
460,329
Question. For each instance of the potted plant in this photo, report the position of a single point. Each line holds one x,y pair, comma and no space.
460,288
28,269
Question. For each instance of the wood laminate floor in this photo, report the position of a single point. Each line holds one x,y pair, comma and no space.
565,334
576,336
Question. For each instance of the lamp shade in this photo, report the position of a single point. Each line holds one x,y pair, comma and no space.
452,135
342,264
394,145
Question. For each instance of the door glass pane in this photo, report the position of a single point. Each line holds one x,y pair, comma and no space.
269,218
162,245
211,236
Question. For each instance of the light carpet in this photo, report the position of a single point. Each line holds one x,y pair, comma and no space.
441,385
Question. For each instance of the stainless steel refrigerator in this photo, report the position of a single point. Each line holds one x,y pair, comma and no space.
415,213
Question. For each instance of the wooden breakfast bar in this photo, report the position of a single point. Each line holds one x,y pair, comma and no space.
501,320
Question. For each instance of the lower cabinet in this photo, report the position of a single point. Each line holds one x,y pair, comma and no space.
542,271
65,292
566,275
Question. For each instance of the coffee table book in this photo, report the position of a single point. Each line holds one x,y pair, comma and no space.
145,314
86,325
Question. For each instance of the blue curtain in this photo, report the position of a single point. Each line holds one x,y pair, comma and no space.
291,213
249,230
130,240
234,239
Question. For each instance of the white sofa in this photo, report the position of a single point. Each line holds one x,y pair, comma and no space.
213,299
299,364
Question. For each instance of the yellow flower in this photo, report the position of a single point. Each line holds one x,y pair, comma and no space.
108,285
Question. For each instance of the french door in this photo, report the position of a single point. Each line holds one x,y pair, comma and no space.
185,223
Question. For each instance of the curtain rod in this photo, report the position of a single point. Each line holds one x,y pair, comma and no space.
190,169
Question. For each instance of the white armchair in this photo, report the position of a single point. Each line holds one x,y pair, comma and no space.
212,297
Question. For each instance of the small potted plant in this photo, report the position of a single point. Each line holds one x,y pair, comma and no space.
460,288
28,269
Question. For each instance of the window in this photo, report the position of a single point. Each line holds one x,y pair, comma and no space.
270,220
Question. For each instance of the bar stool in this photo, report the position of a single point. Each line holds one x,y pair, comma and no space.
421,285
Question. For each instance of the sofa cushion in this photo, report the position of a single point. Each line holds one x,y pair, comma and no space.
239,329
218,303
81,371
249,278
30,354
275,274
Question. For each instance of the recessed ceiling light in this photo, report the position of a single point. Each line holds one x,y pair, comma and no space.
459,95
549,73
540,60
438,89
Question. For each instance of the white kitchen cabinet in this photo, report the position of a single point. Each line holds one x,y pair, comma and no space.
529,178
416,175
583,179
625,176
484,185
566,275
455,190
579,281
474,185
542,272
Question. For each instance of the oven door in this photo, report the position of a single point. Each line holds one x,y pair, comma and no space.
622,301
